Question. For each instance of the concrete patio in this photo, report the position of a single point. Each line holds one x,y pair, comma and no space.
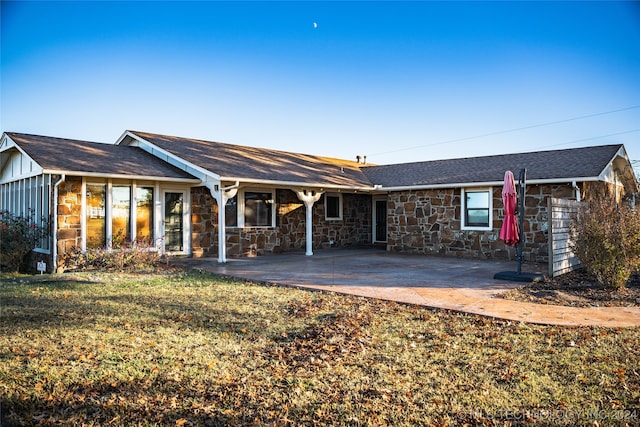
464,285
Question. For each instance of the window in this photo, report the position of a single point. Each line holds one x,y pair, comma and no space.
144,214
96,215
333,206
114,212
250,209
477,208
121,213
231,212
258,209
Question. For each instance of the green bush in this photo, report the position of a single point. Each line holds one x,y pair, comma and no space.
119,255
18,237
606,239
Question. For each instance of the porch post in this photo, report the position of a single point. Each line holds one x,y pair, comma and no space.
309,197
222,195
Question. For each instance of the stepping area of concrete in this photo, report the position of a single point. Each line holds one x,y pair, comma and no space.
464,285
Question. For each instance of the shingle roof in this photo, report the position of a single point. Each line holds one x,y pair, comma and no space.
237,161
586,162
68,155
249,163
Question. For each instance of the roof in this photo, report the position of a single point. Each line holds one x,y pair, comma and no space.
261,164
85,157
235,162
555,165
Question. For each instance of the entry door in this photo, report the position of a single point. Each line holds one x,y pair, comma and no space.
380,220
173,221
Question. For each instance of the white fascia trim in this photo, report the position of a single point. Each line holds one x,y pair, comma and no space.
439,186
610,169
203,174
487,184
11,144
293,184
120,176
123,136
6,142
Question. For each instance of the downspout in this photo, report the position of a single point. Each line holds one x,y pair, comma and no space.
577,190
54,233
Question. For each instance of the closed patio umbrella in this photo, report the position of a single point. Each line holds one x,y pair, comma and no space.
509,231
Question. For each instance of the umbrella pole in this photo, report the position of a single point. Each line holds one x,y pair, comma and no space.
522,178
519,276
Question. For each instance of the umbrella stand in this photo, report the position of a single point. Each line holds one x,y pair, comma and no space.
518,275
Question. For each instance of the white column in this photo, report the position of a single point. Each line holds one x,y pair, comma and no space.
309,197
222,195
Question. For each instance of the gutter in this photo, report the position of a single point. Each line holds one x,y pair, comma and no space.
482,184
301,184
120,176
54,243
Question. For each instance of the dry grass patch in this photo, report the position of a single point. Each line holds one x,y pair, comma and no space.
197,349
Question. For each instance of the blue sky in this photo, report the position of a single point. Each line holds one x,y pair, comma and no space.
396,81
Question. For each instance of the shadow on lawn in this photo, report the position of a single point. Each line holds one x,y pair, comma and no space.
159,400
53,303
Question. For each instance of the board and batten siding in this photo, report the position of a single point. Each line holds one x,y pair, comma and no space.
561,258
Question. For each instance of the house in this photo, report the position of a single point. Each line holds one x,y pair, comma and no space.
168,190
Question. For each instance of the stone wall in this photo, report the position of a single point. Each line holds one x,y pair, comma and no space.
204,219
421,221
354,229
429,222
289,234
69,210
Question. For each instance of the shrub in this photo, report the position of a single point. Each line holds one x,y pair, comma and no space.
18,237
119,255
606,239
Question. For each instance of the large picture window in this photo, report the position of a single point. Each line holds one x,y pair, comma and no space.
96,215
121,213
477,208
118,213
144,214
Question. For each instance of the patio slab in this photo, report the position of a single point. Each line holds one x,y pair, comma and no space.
464,285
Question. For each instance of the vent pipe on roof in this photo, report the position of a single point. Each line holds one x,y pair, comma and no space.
361,159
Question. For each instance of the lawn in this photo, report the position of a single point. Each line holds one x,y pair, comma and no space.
191,348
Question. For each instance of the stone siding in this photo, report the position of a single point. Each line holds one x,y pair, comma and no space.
429,222
420,221
204,219
289,234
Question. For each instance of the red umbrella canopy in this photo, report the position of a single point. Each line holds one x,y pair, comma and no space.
509,231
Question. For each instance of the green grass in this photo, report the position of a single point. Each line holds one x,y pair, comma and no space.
197,349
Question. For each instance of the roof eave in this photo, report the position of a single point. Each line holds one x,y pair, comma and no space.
484,184
298,184
12,145
121,176
626,171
